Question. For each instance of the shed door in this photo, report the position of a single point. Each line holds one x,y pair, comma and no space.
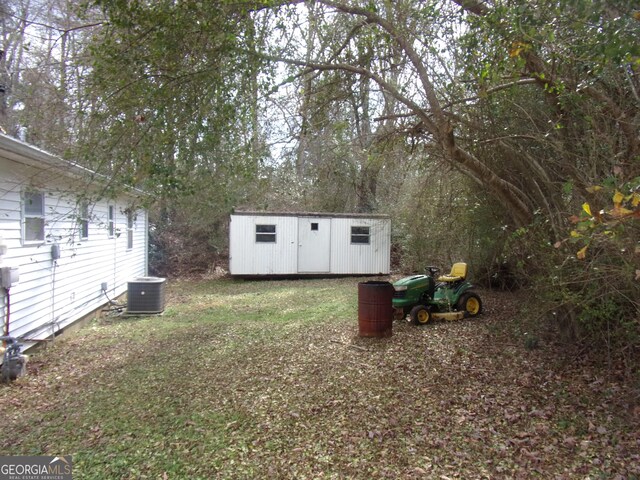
314,245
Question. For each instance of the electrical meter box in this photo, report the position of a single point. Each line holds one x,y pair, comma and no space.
9,276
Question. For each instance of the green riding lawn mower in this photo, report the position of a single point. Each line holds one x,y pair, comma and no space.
425,297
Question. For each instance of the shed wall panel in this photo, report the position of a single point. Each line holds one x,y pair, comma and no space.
350,258
248,257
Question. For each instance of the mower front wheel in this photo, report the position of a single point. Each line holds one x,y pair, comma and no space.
420,315
470,304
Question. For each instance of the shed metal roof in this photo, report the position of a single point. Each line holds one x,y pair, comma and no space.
311,214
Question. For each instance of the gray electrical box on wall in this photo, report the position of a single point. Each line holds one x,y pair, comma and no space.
55,251
9,276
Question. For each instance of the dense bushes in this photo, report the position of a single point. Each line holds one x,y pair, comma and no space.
587,286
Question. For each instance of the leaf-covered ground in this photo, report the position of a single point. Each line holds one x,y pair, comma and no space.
270,380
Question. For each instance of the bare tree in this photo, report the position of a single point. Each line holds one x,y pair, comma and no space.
44,67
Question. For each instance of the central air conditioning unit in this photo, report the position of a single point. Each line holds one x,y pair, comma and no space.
145,295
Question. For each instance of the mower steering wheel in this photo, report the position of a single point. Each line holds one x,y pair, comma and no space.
432,270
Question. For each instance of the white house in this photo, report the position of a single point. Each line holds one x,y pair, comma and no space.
267,243
67,246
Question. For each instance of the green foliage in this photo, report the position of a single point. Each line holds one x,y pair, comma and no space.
580,57
171,93
442,219
603,288
588,285
558,142
176,87
612,216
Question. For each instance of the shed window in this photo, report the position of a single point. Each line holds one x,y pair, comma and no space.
265,234
314,227
360,235
83,220
33,209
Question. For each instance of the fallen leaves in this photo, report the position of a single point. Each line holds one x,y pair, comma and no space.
213,390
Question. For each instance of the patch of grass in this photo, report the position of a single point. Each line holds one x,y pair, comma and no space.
270,380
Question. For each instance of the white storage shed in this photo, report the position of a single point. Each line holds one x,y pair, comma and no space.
268,243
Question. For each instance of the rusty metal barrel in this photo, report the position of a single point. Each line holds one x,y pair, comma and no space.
375,309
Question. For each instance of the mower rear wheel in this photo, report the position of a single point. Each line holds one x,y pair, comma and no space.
420,315
470,304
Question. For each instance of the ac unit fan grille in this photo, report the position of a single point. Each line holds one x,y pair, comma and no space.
146,295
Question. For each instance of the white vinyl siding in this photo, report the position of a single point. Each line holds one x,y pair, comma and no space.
53,294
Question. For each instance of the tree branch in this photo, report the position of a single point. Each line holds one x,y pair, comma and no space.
473,6
50,27
346,67
523,81
439,124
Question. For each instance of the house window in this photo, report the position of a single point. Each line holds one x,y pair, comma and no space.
360,235
111,221
314,227
265,233
130,218
33,214
83,219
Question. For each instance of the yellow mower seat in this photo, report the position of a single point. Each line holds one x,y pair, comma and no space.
458,272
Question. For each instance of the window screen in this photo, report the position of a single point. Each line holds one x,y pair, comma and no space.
130,225
360,235
33,216
265,233
84,220
34,203
111,221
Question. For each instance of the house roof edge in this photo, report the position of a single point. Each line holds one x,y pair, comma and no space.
30,155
